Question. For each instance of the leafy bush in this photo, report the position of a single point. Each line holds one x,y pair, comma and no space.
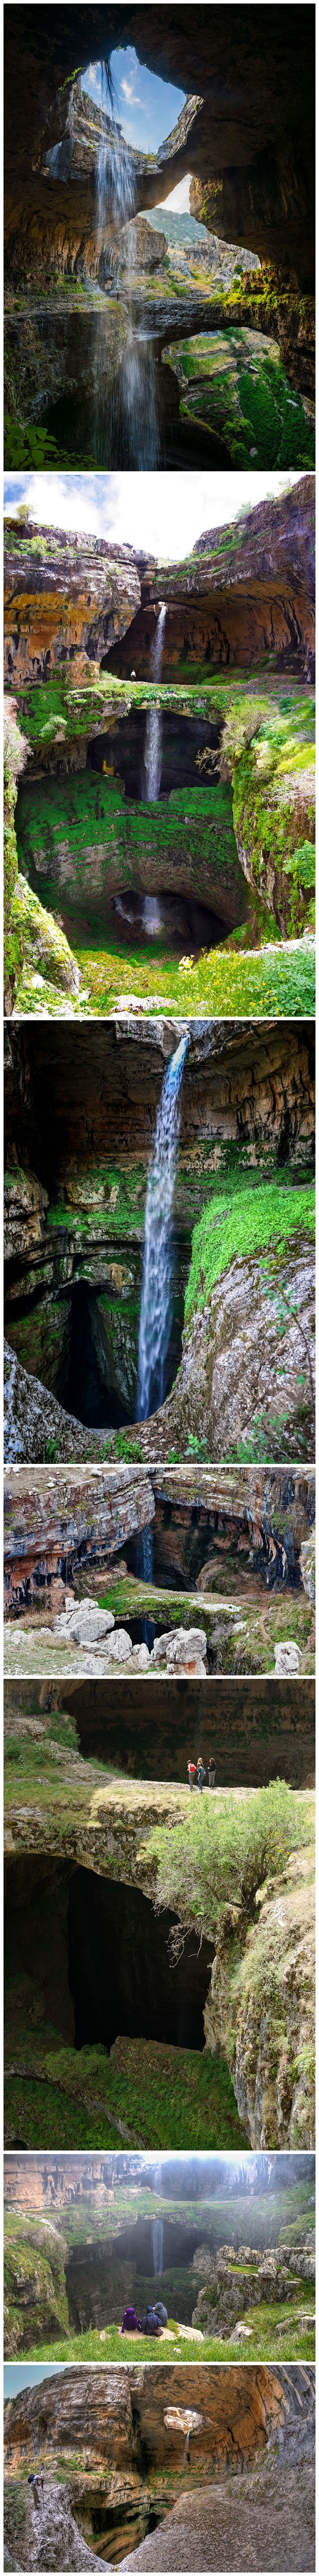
222,1854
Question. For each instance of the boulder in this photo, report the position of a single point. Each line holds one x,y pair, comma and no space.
84,1625
287,1659
140,247
184,1648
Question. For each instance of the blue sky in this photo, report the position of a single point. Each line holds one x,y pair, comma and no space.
145,107
161,513
26,2374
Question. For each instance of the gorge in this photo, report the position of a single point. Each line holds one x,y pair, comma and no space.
82,266
252,2460
182,875
231,1238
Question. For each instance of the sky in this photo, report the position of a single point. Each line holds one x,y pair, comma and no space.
26,2374
162,514
145,107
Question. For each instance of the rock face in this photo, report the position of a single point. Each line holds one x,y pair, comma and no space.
268,2025
34,1422
230,1378
253,177
253,1732
231,2290
77,1163
139,247
60,1521
83,596
46,2538
106,2415
233,598
242,592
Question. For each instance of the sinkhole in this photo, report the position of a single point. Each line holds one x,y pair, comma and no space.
98,1956
102,2276
120,1972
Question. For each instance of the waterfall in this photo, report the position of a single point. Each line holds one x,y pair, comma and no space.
144,1555
157,2247
157,1281
153,728
126,421
152,918
115,190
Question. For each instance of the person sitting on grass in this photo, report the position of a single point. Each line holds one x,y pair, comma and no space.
161,2312
151,2323
130,2322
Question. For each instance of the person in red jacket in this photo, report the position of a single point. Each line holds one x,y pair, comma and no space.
191,1774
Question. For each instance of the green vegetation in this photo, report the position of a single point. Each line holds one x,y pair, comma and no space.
232,382
247,1219
221,1857
266,2342
157,2096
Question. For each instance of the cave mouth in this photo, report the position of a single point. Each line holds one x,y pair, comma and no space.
112,92
113,2531
85,1385
101,2277
185,743
120,1973
166,919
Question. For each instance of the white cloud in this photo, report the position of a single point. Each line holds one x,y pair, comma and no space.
159,513
130,93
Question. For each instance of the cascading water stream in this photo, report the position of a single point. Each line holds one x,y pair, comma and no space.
125,424
153,727
157,1281
157,2247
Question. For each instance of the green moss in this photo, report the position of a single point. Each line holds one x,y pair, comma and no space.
166,2097
254,1217
237,387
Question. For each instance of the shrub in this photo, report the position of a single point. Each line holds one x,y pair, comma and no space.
222,1854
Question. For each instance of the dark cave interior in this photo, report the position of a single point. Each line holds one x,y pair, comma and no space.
100,1956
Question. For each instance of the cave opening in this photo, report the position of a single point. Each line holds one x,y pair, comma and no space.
85,1385
120,1972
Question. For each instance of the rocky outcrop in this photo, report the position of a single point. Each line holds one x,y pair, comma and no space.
245,590
253,169
46,2537
229,1387
66,596
231,2289
35,1425
260,2010
105,2415
61,1521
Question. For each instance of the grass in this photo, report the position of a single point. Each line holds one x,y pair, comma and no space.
265,2344
253,1218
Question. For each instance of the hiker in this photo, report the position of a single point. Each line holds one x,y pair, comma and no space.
161,2312
133,675
150,2323
201,1773
42,2480
191,1773
33,2481
130,2322
187,2454
211,1772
